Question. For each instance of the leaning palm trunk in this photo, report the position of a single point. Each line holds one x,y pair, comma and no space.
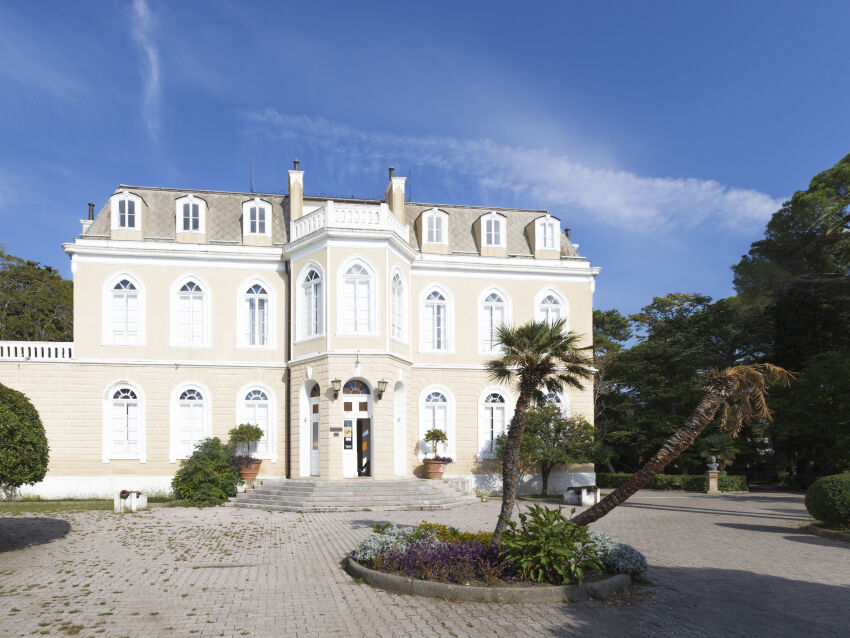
510,462
714,396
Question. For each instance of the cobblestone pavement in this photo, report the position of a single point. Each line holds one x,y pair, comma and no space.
733,565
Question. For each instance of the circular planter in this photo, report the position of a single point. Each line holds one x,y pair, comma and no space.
453,591
249,472
433,469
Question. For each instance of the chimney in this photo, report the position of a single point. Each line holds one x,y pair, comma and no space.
567,232
394,194
91,211
296,192
86,223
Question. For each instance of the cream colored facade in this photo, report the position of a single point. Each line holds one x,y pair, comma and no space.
195,311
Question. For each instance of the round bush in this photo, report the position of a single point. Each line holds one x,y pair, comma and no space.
828,500
23,444
208,477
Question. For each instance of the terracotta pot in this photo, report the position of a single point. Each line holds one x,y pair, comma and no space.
434,469
249,472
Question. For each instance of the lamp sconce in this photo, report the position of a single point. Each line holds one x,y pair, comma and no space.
382,386
337,385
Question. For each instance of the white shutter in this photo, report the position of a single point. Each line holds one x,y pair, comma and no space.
261,420
184,430
183,319
197,312
132,319
119,317
498,320
440,327
119,426
132,428
363,306
485,320
428,328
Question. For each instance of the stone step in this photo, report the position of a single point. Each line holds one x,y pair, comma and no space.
362,502
353,493
348,508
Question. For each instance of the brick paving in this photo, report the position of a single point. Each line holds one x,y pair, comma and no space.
732,565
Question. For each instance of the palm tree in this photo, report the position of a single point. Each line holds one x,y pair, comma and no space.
738,394
535,356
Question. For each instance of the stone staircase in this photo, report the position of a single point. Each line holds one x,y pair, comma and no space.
354,495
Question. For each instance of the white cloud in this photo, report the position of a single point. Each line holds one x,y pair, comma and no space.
537,177
142,28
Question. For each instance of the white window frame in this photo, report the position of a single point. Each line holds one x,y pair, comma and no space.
484,451
435,215
539,315
175,454
246,217
400,306
243,341
483,318
426,449
424,346
546,227
107,334
202,214
242,416
374,295
115,210
108,454
303,329
206,305
503,230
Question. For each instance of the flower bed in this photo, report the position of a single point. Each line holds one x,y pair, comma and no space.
544,549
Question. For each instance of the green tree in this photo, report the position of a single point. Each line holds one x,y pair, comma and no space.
24,452
36,303
611,330
535,356
551,438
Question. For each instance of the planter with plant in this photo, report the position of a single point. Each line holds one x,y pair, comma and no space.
434,467
242,437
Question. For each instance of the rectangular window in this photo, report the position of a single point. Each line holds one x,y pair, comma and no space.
435,327
190,320
125,321
493,234
191,217
258,414
125,423
435,229
258,321
548,236
496,418
257,218
191,429
493,317
356,311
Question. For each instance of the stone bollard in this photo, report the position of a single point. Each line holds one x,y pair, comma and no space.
129,501
712,477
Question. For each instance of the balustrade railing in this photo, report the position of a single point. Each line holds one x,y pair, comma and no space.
35,350
349,217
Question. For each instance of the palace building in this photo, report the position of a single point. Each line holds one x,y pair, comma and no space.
344,328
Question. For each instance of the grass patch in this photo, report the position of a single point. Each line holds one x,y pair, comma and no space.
52,507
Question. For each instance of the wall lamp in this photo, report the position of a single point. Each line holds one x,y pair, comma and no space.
337,385
382,386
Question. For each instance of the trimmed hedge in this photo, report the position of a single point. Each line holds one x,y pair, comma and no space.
24,452
828,500
684,482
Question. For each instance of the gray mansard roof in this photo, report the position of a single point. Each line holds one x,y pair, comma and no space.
224,214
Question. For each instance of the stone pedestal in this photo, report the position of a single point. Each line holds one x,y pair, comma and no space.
127,501
712,482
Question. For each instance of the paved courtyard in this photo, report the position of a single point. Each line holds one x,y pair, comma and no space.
732,565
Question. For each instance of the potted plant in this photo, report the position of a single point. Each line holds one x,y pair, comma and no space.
242,437
434,467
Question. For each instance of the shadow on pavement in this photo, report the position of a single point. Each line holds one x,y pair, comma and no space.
801,515
19,532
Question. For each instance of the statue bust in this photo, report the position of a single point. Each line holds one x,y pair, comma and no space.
713,465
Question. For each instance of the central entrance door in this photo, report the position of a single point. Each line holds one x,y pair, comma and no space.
314,431
357,429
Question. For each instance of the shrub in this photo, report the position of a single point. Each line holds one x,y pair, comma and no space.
24,452
546,547
208,477
828,500
686,482
450,562
243,437
389,538
618,557
446,534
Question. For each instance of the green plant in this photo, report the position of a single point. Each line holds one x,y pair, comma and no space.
546,547
24,452
208,477
685,482
245,436
435,436
828,500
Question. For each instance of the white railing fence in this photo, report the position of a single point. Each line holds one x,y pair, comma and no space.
349,217
35,350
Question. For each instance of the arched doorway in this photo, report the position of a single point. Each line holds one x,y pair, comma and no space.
357,429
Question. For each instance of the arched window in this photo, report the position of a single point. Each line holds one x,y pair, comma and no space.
493,421
126,210
546,233
256,217
435,226
435,323
355,386
550,307
397,310
436,416
190,315
357,300
312,311
257,307
191,421
492,315
125,314
124,437
256,410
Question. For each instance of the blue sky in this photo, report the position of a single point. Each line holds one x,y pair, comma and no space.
664,133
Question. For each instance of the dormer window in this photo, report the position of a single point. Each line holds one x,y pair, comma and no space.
435,226
126,210
546,234
493,230
191,215
256,217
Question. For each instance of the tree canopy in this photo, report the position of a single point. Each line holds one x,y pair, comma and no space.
24,452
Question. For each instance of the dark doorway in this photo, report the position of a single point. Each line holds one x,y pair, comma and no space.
364,452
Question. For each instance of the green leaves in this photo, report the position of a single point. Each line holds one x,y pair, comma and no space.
208,477
24,452
546,547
